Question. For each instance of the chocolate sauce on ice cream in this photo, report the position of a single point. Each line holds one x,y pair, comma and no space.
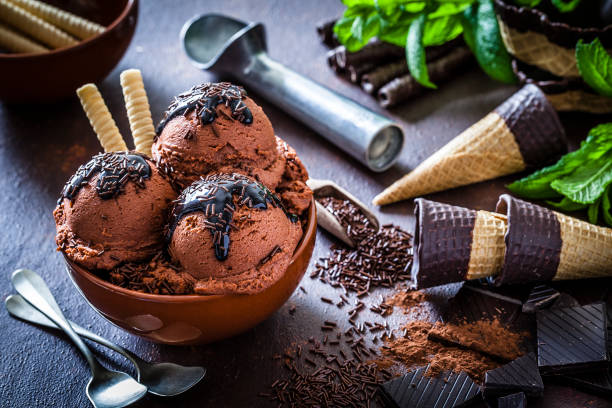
214,196
204,99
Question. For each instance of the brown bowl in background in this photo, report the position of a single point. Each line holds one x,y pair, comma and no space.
192,319
53,75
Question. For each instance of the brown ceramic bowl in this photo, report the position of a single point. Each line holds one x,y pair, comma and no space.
192,319
49,76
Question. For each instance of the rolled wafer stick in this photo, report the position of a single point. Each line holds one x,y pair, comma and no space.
101,119
406,87
34,26
355,72
138,110
544,245
454,244
375,51
13,41
325,30
523,132
71,23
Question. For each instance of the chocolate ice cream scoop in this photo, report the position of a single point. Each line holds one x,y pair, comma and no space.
113,210
232,234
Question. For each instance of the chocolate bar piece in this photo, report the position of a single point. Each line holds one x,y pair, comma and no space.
573,340
541,297
520,375
517,400
415,390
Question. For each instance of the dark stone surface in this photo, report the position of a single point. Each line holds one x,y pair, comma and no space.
40,147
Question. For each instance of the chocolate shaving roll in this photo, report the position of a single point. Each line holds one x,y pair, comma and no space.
373,52
325,30
355,72
406,87
543,245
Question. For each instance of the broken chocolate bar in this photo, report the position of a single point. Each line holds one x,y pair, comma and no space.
541,297
573,340
520,375
415,390
517,400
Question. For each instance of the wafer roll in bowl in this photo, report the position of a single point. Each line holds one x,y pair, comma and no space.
523,132
543,245
454,244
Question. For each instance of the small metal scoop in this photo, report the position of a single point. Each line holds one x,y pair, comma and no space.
231,47
327,220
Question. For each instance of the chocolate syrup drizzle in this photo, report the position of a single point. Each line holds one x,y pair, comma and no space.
115,170
204,98
214,196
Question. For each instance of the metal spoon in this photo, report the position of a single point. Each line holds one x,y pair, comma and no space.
163,379
106,388
327,220
230,47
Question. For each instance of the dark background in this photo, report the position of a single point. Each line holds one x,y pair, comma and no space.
40,146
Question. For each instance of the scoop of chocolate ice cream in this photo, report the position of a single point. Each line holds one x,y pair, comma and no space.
232,234
215,127
113,210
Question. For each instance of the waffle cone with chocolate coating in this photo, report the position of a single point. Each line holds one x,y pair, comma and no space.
522,132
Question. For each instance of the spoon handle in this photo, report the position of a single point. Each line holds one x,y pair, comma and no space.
18,307
34,289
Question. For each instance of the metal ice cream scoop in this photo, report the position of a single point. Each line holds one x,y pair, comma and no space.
231,47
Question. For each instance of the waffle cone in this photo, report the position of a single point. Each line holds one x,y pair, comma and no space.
578,100
484,151
488,246
586,250
536,49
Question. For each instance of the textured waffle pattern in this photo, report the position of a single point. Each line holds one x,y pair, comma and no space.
535,49
71,23
443,240
521,374
13,41
535,126
484,151
488,247
101,119
138,110
34,26
415,390
581,101
572,339
586,251
533,242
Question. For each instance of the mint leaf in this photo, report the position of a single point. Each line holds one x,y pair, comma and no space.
537,185
441,29
595,66
415,51
588,182
527,3
593,212
567,205
605,206
481,34
565,6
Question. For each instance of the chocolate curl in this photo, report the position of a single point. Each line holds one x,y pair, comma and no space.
406,87
373,52
372,81
332,61
355,73
325,30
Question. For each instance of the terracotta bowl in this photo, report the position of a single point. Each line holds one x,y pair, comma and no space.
49,76
192,319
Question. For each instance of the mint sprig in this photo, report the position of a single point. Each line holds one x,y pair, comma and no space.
595,66
581,179
417,24
564,6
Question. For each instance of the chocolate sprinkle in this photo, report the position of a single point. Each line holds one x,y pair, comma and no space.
204,99
214,197
115,169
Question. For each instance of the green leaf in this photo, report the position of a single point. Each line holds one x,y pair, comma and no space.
537,185
566,6
527,3
441,29
415,51
595,66
605,206
588,182
567,205
593,212
481,34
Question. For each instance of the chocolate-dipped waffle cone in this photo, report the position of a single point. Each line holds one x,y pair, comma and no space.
522,132
580,100
543,245
453,244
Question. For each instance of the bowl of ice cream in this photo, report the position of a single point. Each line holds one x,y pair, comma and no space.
70,66
199,241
